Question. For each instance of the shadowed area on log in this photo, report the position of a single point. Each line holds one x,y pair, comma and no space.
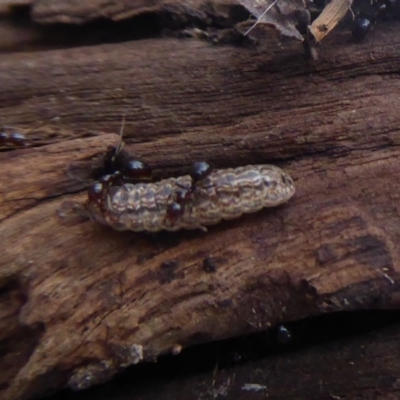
39,26
299,364
80,302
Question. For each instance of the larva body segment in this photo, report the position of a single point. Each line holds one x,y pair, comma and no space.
223,194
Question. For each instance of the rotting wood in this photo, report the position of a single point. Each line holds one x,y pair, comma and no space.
73,12
332,14
70,23
80,301
358,366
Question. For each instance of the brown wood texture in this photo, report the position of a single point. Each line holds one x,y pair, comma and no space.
357,366
79,302
50,11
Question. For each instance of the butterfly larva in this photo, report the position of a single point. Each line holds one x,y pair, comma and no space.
222,194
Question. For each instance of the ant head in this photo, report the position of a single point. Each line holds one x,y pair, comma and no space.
95,192
200,170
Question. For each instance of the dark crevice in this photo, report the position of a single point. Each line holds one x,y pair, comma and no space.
17,341
162,23
38,201
216,27
289,338
333,151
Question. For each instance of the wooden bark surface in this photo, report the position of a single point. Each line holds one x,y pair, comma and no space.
80,302
356,366
77,12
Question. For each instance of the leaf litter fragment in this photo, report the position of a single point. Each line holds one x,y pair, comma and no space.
284,15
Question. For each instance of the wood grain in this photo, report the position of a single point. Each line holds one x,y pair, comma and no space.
320,365
48,11
80,302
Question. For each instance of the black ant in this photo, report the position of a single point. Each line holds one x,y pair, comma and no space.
363,22
199,171
283,334
119,167
123,166
361,26
13,139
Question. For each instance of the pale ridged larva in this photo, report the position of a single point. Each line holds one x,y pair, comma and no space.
223,194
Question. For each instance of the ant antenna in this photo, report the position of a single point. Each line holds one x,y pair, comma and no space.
261,17
121,132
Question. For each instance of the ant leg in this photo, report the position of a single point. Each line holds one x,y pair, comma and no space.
201,227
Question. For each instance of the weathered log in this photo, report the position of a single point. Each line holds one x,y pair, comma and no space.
80,302
43,24
317,366
50,12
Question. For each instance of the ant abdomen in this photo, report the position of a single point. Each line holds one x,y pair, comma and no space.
174,211
361,27
134,169
130,167
377,10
